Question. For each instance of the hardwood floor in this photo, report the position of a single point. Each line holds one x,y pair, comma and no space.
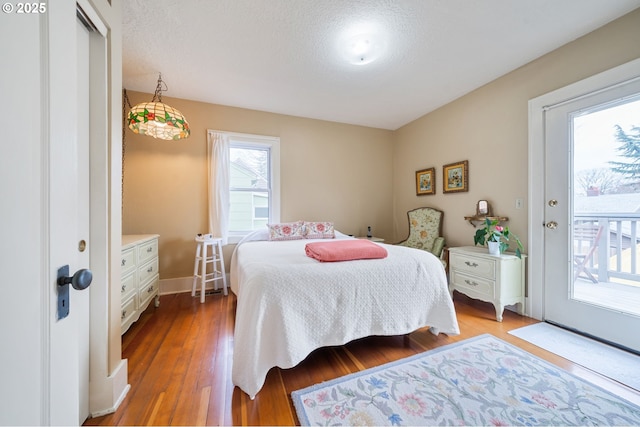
180,357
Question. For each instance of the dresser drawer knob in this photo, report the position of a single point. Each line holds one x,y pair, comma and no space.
149,270
470,283
123,288
150,289
471,264
149,249
124,261
124,314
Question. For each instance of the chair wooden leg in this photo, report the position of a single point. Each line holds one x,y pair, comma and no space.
195,270
203,279
581,267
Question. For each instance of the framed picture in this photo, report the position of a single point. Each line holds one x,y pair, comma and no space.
455,177
426,182
483,208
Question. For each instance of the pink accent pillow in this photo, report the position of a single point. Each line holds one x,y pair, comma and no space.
319,230
286,231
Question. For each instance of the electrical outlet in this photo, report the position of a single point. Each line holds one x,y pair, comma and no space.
519,203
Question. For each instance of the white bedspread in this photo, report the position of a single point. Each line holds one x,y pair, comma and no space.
289,304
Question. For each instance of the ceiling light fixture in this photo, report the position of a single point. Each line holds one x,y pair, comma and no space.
157,119
362,49
363,43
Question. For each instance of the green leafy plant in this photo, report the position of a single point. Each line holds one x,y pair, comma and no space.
493,232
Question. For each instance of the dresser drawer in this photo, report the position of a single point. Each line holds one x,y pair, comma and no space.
148,291
475,285
147,250
128,286
475,266
128,309
128,260
148,270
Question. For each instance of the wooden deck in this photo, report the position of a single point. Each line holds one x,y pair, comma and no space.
616,296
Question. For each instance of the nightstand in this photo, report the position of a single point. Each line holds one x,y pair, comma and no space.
498,279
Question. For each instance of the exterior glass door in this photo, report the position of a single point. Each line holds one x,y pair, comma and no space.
606,206
592,238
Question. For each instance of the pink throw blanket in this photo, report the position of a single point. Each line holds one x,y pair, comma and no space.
344,250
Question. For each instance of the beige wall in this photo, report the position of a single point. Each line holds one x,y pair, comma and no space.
329,171
489,127
358,176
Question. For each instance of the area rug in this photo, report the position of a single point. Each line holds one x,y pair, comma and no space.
479,381
619,365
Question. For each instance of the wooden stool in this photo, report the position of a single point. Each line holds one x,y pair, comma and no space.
206,243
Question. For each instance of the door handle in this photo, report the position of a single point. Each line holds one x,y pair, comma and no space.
552,225
80,280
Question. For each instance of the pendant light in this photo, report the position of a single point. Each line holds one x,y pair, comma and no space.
157,119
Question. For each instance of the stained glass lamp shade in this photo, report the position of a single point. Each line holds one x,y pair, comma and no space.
157,119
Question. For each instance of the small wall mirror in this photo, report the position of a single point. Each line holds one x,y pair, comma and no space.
483,208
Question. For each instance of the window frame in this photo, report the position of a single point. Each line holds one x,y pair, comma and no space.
272,145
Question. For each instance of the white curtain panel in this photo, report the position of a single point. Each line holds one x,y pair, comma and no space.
218,168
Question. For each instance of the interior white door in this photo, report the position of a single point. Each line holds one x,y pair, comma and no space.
82,298
64,392
562,302
68,171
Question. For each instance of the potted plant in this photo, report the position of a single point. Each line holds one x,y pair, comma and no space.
496,237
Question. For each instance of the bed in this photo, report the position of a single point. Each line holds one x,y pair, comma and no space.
289,304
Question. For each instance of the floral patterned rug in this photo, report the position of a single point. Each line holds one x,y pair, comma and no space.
479,381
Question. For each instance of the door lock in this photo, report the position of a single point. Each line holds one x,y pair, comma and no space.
553,203
552,225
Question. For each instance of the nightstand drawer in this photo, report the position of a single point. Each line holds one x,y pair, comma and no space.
476,266
476,286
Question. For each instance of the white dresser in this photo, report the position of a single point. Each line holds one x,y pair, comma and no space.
139,276
498,279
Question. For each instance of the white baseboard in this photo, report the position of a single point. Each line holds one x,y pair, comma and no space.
183,284
107,394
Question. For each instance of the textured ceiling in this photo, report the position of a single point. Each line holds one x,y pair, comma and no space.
287,56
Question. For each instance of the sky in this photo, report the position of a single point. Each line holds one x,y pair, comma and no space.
594,134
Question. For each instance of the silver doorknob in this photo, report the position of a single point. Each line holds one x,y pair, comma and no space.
553,203
80,280
552,225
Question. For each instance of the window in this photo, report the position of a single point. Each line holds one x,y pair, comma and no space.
253,183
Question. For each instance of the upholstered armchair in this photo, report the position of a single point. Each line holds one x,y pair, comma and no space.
425,231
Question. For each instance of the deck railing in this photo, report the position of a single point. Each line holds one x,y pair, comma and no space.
617,253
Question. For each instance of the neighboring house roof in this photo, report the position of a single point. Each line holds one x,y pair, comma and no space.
241,166
613,203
